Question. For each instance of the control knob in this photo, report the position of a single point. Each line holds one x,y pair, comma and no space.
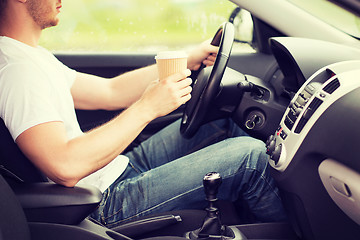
275,156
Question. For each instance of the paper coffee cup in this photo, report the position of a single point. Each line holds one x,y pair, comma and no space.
170,62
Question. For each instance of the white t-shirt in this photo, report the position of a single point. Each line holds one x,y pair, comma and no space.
35,89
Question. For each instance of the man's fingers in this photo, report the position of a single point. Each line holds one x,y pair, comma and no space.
183,74
185,82
178,76
211,57
213,49
185,91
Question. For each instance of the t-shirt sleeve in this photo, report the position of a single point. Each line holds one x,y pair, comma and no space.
69,73
25,98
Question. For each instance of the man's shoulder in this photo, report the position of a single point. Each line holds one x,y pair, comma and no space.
15,52
16,59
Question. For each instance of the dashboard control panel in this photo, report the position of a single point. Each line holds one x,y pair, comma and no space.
316,95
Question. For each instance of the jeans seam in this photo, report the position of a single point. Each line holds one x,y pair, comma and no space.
103,218
133,167
106,218
152,208
102,204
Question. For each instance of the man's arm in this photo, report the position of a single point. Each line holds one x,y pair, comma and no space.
68,161
92,92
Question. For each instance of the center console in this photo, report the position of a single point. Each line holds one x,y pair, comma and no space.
315,150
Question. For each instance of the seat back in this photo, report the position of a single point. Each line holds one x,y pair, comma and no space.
13,224
14,161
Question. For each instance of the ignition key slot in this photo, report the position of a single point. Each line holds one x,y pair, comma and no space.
255,120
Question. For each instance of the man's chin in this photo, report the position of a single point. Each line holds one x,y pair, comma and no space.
51,24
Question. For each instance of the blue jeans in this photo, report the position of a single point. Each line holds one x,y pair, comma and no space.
165,173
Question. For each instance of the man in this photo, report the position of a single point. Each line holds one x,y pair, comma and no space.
38,95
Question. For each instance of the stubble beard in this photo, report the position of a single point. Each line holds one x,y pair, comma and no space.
42,15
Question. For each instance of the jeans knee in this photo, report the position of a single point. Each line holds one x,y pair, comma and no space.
256,145
253,151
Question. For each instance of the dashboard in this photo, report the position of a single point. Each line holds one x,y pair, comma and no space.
298,59
314,150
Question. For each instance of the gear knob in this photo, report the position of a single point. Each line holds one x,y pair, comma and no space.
212,182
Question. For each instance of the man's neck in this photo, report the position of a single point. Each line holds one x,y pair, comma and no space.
20,27
24,38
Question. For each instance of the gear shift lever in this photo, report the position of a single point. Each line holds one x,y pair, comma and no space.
211,225
211,228
212,182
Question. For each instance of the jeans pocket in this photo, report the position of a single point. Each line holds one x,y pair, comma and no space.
111,208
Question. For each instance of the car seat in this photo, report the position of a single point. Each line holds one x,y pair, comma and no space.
13,161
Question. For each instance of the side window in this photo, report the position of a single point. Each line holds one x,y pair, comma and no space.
135,25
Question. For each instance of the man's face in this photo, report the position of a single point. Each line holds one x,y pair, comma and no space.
44,12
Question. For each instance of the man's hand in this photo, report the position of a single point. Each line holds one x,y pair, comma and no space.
205,53
163,97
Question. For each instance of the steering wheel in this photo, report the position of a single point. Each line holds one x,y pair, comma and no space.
207,83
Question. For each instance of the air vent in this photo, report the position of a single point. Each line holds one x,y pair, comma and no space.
332,86
308,113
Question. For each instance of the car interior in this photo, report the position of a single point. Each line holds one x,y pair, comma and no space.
296,93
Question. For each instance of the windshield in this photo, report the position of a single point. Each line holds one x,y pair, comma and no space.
332,14
135,25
